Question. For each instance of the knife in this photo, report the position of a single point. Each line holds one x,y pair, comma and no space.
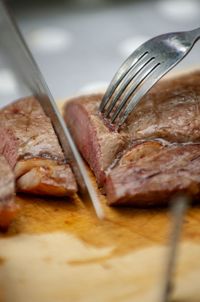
179,205
26,69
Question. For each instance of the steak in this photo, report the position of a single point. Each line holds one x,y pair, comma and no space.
8,208
157,151
32,149
97,143
8,144
154,178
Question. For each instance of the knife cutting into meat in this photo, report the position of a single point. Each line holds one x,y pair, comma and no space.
26,69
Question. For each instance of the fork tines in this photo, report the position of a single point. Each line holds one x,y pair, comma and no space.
128,86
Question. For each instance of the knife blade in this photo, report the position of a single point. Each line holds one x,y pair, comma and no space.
179,205
27,70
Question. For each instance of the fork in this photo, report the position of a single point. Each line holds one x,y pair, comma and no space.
143,68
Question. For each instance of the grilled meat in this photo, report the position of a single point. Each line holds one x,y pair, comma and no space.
97,143
155,154
33,150
8,208
156,176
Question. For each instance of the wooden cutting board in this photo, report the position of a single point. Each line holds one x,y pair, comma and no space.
57,250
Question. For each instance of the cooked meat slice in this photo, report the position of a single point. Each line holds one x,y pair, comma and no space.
167,115
8,208
170,111
98,144
8,144
32,130
139,151
45,177
31,136
155,177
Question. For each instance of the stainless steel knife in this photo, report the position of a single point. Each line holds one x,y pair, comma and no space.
179,205
26,69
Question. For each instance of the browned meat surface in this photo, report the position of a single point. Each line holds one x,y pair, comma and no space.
8,208
170,111
155,177
155,154
32,148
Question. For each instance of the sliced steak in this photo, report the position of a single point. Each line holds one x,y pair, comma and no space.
154,178
8,144
34,151
156,152
8,208
97,143
45,177
169,111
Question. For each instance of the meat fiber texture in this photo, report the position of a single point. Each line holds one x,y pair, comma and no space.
157,151
8,208
32,149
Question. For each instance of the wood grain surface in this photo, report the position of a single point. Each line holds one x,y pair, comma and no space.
57,250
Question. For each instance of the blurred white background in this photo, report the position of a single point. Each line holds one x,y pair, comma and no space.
80,44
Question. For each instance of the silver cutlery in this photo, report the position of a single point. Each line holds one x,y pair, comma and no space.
179,205
143,68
